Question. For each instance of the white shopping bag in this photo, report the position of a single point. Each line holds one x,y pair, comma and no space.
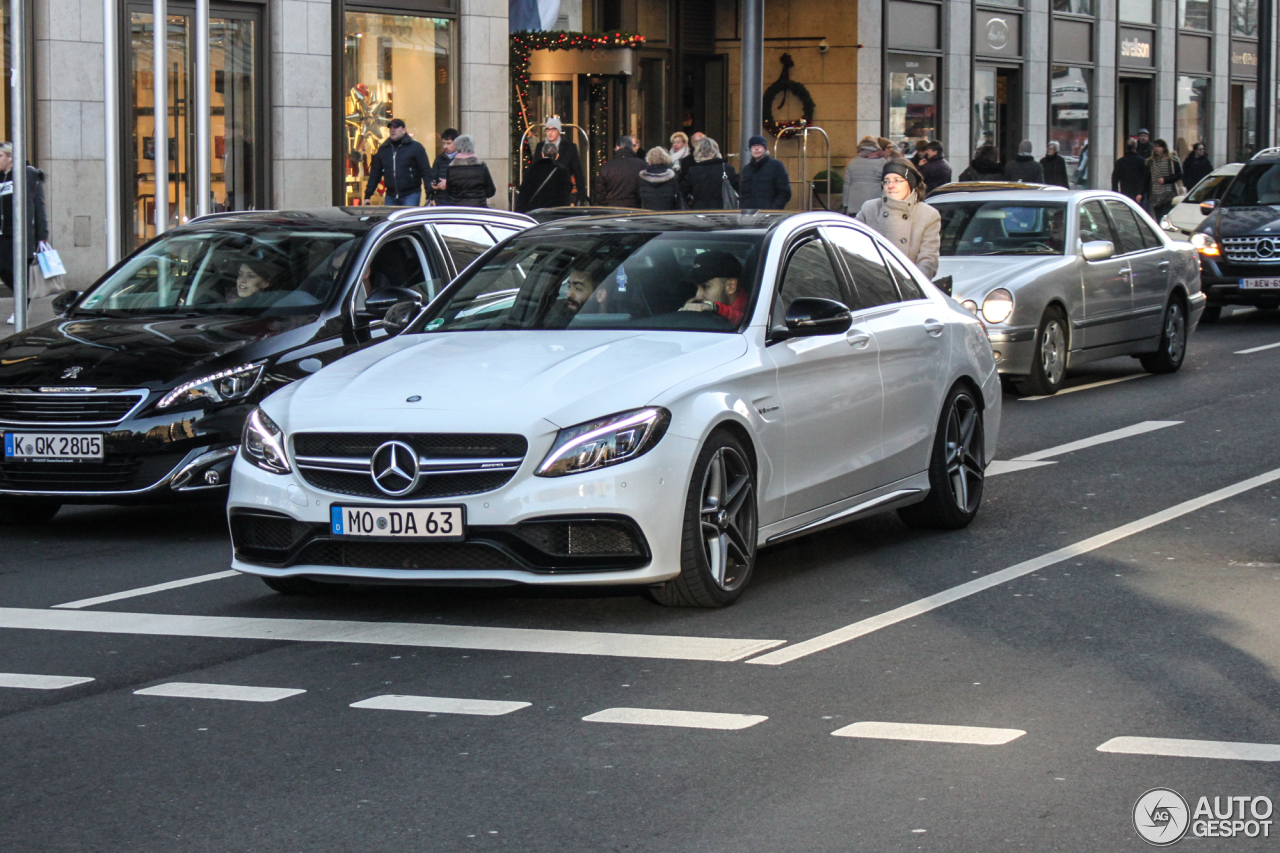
50,261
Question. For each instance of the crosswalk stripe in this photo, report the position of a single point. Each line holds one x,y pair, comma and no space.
40,682
1177,748
440,705
972,735
229,692
677,719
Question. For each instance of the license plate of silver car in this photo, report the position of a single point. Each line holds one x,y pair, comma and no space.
53,446
437,523
1260,283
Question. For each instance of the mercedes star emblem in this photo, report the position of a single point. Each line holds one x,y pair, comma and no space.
394,468
72,372
1266,248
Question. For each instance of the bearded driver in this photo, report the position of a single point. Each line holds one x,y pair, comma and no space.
581,285
717,275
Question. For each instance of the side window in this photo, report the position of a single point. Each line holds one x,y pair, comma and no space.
872,282
1127,228
907,283
465,242
503,233
1094,224
399,262
809,273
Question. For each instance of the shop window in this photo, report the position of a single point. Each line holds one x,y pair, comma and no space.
1191,113
1069,119
1194,14
1137,11
913,100
1074,7
1244,17
394,66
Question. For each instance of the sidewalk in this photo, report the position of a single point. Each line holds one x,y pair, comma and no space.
40,311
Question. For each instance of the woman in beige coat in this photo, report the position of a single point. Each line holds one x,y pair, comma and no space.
902,217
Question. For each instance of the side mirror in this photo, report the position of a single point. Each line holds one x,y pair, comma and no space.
1098,250
400,316
943,283
810,316
384,299
1207,207
63,301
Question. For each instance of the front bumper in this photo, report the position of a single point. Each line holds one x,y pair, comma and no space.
1225,289
1013,348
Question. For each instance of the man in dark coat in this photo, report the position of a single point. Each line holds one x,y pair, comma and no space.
1130,173
1024,167
1054,167
1196,167
1145,146
36,221
934,168
619,182
546,184
403,163
440,169
567,155
763,183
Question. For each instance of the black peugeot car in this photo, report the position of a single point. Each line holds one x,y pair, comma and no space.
138,391
1239,240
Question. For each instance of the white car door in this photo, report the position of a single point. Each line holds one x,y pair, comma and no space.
914,356
830,390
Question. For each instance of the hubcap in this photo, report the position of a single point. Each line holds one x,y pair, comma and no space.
965,452
728,518
1053,352
1175,332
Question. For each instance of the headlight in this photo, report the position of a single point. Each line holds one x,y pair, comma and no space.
970,306
1167,225
1205,244
234,384
604,442
263,443
998,305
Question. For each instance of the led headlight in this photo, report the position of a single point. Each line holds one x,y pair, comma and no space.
234,384
263,443
1204,244
604,442
998,305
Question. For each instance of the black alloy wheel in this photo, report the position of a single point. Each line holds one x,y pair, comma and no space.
1173,341
957,467
1049,361
22,512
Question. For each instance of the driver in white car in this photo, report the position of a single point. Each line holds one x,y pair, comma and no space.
581,285
717,275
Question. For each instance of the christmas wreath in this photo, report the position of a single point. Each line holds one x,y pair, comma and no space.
784,86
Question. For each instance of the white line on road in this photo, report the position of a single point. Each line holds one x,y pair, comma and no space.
145,590
229,692
964,590
40,682
440,705
1073,389
974,735
388,634
1035,460
677,719
1192,748
1008,466
1256,349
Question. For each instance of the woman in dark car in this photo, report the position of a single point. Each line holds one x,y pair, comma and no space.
255,276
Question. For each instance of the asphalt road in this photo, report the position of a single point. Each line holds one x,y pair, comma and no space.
1159,624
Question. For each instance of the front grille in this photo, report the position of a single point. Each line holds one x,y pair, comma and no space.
1252,250
441,445
581,538
269,536
115,475
18,406
405,555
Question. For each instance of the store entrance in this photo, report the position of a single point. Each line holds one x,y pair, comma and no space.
1133,112
997,113
594,103
1242,141
703,102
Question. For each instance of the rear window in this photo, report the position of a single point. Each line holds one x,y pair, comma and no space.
1210,188
1257,183
1002,228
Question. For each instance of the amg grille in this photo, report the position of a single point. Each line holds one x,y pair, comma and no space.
442,445
581,538
45,407
1252,250
272,536
407,555
360,484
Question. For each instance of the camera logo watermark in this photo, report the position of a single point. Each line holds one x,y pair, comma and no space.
1161,817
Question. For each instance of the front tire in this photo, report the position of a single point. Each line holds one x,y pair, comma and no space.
24,513
718,546
1173,342
1049,363
957,467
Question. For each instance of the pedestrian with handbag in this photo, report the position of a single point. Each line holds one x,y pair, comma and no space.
546,184
1164,173
659,185
35,220
709,183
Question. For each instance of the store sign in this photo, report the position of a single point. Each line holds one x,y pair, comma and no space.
1244,59
1137,48
998,33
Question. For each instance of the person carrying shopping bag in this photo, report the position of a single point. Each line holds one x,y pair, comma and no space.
35,221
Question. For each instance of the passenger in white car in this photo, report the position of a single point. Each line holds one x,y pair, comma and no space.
717,274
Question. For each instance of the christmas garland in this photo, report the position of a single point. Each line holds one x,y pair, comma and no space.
782,86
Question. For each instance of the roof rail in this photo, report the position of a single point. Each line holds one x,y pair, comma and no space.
219,215
1266,152
447,210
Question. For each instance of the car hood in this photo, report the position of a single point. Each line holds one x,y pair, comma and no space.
1241,221
501,381
975,277
141,352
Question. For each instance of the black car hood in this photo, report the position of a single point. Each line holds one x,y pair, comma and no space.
142,352
1246,221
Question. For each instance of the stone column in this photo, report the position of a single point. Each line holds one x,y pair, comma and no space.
484,88
957,81
302,114
870,68
1037,50
1165,93
1102,139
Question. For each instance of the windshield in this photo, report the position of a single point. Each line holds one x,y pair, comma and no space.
1209,188
605,280
1002,228
258,272
1257,183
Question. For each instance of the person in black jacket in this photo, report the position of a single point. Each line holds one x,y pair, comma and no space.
659,184
567,155
403,163
37,223
764,183
619,181
469,181
439,195
546,184
1130,173
1024,167
985,166
1196,167
1054,167
934,168
703,179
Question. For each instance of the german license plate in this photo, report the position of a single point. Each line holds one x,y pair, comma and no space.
72,447
1259,283
441,523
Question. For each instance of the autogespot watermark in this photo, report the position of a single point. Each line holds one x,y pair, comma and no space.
1162,817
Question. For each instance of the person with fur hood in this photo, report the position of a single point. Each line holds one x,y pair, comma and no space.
659,184
902,217
862,175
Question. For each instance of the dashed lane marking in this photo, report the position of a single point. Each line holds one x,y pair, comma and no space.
1256,349
964,590
675,719
1076,388
388,634
1176,748
228,692
973,735
145,590
1008,466
40,682
440,705
1034,460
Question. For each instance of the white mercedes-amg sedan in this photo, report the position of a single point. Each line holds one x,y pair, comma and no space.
645,399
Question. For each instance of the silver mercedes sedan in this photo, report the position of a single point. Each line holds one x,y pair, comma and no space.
1068,278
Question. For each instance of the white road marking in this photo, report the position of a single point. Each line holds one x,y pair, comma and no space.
1003,466
1101,438
1256,349
678,719
229,692
145,590
1075,388
388,634
440,705
40,682
964,590
1192,748
974,735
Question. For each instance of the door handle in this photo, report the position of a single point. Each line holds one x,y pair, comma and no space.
1126,271
934,327
1164,265
858,340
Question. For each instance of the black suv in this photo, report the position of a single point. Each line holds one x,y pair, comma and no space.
1239,240
138,392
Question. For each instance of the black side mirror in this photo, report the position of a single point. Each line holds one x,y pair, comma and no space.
400,316
384,299
943,283
63,301
1207,207
809,316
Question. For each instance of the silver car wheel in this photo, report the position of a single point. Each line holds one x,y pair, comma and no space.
1175,332
728,518
964,453
1053,352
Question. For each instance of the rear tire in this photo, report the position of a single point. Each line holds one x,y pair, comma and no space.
1173,341
1049,361
718,546
18,514
957,467
301,586
1211,315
